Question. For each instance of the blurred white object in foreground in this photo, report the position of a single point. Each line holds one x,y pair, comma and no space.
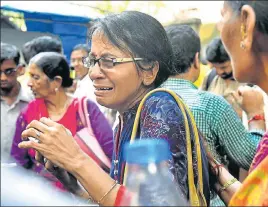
20,187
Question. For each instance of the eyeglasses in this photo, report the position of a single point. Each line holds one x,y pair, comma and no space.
9,71
106,63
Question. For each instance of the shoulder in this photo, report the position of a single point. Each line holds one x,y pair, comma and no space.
213,101
160,102
160,98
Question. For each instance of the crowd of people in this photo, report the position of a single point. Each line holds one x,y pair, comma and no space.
71,130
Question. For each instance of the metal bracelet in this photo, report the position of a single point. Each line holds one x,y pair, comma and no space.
115,182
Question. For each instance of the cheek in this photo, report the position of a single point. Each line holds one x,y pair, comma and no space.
226,38
126,88
43,87
128,83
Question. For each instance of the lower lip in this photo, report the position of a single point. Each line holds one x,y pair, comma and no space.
102,92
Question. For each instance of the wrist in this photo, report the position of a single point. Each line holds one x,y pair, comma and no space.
254,114
257,117
76,162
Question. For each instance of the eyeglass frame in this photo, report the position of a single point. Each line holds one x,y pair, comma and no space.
8,75
86,61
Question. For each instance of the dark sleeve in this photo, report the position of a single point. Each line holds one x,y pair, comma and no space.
21,156
101,128
161,118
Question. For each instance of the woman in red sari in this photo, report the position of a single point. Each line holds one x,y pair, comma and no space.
49,76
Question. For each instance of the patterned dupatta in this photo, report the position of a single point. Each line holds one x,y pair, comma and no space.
254,191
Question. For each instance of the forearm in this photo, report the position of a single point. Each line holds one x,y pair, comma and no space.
240,144
95,181
224,177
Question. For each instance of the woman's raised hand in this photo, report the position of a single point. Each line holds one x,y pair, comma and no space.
55,143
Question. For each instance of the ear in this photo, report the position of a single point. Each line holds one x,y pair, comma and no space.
197,61
248,21
150,75
57,81
20,70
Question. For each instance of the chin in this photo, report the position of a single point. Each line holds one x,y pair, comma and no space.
102,102
105,103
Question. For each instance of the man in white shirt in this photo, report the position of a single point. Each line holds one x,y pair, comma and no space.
14,97
84,85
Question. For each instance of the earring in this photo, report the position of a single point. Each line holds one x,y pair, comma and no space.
243,31
242,45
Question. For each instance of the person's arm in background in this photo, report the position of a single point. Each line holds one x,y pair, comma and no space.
239,144
251,100
20,155
224,177
101,128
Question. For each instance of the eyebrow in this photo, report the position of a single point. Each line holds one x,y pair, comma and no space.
106,54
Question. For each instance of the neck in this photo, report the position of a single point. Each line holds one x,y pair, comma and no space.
57,102
138,98
12,96
262,74
186,76
263,83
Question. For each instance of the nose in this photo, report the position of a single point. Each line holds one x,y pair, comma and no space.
75,63
3,76
219,71
30,83
95,73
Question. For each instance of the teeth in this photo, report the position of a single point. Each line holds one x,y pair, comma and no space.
104,89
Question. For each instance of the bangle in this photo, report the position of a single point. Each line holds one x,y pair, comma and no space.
227,184
257,117
115,183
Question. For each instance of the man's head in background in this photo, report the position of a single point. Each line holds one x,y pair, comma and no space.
41,44
10,68
220,60
186,47
79,51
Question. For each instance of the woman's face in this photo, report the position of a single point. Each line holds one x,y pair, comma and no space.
39,82
119,87
242,60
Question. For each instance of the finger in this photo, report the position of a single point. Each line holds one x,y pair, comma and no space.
243,89
236,97
39,157
48,122
31,132
49,166
29,144
38,125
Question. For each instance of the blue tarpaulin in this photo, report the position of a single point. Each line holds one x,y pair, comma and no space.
71,30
